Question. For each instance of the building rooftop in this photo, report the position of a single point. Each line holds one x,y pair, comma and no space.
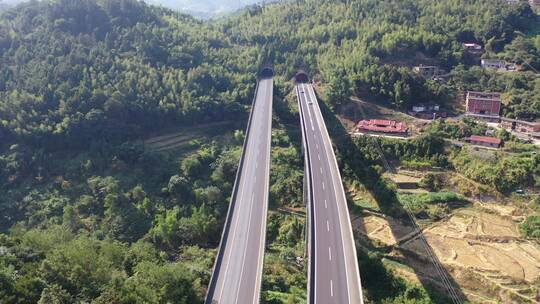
493,60
485,139
523,122
471,45
476,93
385,126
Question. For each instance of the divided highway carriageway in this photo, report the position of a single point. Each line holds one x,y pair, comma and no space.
333,275
238,268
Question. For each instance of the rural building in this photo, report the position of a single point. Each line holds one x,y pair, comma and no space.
484,141
472,47
483,103
534,2
428,71
520,125
382,126
484,118
497,64
493,64
427,111
425,107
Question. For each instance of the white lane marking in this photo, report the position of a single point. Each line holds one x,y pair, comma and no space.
319,156
256,165
321,170
328,149
323,185
238,203
327,226
257,290
325,204
245,247
331,288
315,256
309,114
249,221
317,145
237,217
329,253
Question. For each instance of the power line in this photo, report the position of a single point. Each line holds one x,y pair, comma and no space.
445,280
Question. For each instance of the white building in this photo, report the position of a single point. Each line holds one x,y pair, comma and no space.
472,46
424,108
494,64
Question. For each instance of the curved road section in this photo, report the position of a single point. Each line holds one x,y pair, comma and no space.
238,267
333,273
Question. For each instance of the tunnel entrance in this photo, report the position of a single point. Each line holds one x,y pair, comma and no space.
267,72
301,77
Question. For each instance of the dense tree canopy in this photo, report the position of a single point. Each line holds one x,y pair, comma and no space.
75,71
369,47
89,214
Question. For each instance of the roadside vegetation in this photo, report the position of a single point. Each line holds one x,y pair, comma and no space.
95,209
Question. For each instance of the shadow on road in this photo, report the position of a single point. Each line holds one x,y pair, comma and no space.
377,282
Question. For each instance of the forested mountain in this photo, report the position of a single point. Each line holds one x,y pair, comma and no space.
88,214
79,80
369,47
115,67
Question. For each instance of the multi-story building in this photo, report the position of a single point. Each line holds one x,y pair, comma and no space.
483,103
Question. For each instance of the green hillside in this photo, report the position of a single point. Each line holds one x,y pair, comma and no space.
121,126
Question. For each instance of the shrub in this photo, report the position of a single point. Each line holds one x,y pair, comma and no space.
531,227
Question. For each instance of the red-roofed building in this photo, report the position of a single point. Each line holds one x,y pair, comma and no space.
483,103
485,141
382,126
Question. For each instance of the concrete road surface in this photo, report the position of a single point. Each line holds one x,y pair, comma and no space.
238,270
334,275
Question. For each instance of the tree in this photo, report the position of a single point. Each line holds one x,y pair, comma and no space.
179,187
154,283
338,88
531,227
80,268
55,294
7,286
70,218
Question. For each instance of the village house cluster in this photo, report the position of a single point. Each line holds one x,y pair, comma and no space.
480,106
486,106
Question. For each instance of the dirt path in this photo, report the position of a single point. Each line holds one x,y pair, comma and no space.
181,138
